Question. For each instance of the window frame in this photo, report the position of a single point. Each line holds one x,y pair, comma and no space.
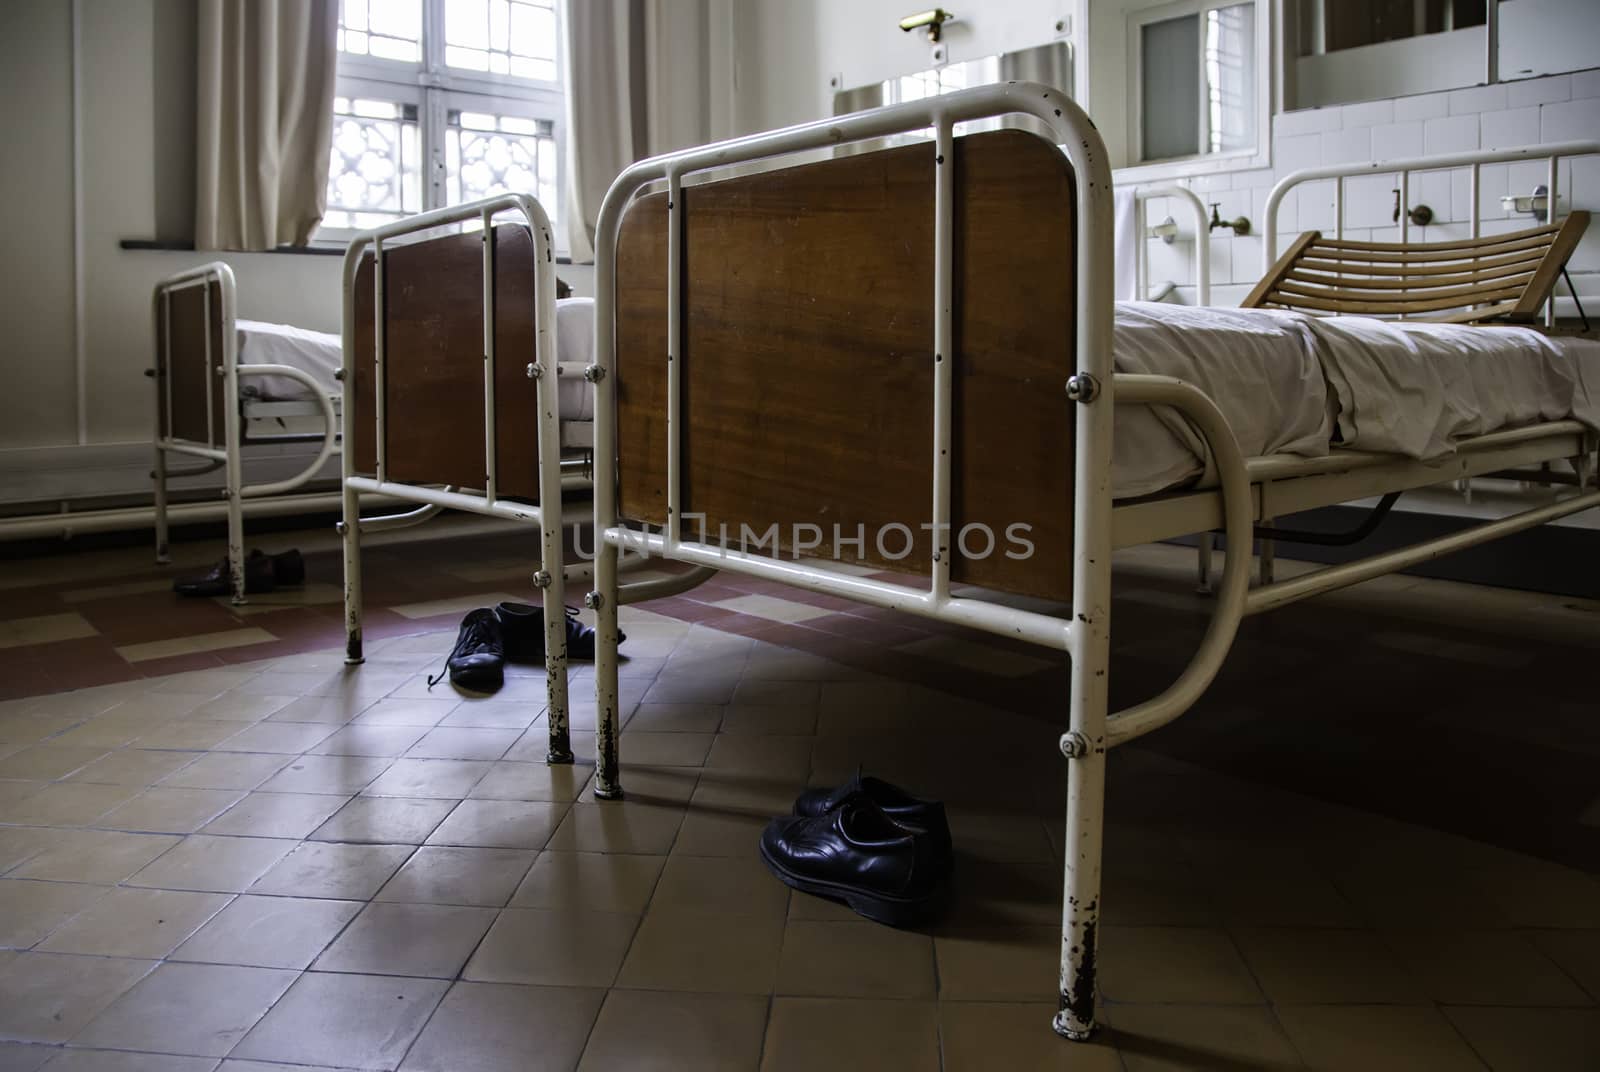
1260,156
437,89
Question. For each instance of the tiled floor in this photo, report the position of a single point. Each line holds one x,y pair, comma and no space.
1372,847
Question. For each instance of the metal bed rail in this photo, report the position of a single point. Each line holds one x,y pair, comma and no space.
1142,195
550,578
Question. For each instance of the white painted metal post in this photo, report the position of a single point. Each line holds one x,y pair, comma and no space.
161,377
487,241
350,526
603,599
1550,215
229,371
944,166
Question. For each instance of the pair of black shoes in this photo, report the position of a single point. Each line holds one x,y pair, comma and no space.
872,845
490,637
262,573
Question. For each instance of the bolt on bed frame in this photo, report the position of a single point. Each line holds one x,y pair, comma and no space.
1094,389
227,456
551,577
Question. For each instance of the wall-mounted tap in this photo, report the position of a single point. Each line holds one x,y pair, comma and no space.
1240,225
1419,215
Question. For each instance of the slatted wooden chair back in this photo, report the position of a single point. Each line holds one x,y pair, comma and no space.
1503,277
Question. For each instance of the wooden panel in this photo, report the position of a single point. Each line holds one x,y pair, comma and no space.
194,383
808,359
433,375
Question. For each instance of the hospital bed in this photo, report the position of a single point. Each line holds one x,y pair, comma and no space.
915,344
220,382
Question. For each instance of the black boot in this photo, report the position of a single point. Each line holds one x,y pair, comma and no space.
522,626
477,662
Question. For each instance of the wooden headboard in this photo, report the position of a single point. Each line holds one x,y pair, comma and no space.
807,354
1469,280
183,320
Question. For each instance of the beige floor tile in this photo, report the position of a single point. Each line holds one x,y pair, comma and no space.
1577,952
999,964
188,1008
1376,1038
268,932
459,876
1173,964
19,843
385,820
773,609
133,766
723,886
340,775
864,960
845,1035
487,1027
277,682
240,707
705,953
68,804
408,939
332,710
674,718
187,734
1544,896
761,756
711,832
772,721
24,1057
552,947
601,882
458,742
537,780
1483,968
214,864
325,869
629,827
440,778
94,856
493,715
370,740
138,923
1531,1040
978,1036
652,749
277,815
46,997
31,910
691,689
1179,1038
454,605
192,645
165,810
1324,966
684,1032
499,824
46,762
44,629
122,1061
289,738
423,713
351,1020
227,770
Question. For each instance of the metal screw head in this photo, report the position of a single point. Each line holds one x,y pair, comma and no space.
541,579
1082,387
593,373
535,370
592,600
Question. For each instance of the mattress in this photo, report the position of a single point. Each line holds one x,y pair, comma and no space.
317,353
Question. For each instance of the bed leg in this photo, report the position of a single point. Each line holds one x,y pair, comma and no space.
607,780
1203,551
553,581
235,536
159,476
350,541
1080,923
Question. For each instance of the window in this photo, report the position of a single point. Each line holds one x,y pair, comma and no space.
1195,81
441,102
1342,51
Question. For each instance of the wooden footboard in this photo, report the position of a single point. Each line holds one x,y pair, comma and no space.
187,382
808,366
434,367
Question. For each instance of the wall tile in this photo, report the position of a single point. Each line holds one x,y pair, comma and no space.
1586,84
1458,133
1569,120
1295,152
1509,129
1246,258
1436,190
1493,184
1370,114
1368,200
1314,206
1306,121
1222,260
1538,91
1347,146
1394,141
1255,178
1477,99
1423,106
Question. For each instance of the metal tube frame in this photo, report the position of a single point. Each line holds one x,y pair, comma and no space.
550,577
1085,635
1202,239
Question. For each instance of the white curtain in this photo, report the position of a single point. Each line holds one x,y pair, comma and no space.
639,84
264,119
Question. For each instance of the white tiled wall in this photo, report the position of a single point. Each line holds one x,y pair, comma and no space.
1557,108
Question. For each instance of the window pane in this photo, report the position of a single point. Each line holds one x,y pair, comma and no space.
494,154
1169,65
373,172
391,29
1230,78
515,37
1335,25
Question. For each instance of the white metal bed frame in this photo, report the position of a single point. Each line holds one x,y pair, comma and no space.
236,410
1245,489
1144,194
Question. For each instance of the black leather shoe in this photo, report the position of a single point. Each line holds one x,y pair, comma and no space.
259,576
922,816
858,855
288,569
522,625
477,662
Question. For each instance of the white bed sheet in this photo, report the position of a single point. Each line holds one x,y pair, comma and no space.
317,353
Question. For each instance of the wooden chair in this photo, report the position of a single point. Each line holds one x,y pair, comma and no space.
1505,277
